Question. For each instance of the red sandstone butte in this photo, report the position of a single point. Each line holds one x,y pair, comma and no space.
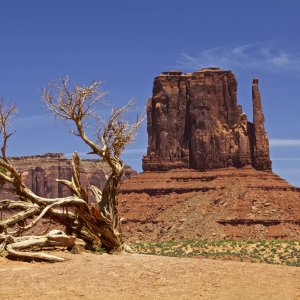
195,121
207,173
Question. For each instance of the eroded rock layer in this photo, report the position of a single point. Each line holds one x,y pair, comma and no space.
41,171
194,121
185,204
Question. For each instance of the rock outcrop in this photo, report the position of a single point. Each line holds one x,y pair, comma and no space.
231,203
195,125
41,171
194,121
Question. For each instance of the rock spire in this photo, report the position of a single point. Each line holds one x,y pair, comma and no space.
194,121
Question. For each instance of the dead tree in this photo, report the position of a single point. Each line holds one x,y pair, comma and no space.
97,223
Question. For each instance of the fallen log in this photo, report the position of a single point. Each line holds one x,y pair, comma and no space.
55,238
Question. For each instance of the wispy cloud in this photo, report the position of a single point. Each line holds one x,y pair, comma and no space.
285,142
258,56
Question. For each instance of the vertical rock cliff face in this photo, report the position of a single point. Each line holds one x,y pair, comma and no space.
41,171
261,142
194,121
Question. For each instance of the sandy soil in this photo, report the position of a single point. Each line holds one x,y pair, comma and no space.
90,276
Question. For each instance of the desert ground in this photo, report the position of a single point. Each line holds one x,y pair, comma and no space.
136,276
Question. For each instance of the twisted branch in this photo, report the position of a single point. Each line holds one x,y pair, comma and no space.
97,223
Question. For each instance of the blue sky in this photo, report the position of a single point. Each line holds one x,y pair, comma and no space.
127,43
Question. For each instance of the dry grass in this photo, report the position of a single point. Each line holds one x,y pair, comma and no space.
271,252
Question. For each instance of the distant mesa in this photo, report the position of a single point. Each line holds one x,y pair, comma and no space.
40,172
194,121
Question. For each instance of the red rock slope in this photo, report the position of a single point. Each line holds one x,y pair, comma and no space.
218,204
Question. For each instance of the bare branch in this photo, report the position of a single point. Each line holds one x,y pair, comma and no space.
20,216
64,201
53,238
79,106
72,104
97,223
5,115
76,184
118,132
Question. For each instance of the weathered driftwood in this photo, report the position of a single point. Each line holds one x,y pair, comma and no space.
97,223
53,238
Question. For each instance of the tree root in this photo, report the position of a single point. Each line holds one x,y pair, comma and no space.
53,238
98,224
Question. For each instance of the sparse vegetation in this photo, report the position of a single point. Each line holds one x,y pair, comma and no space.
271,252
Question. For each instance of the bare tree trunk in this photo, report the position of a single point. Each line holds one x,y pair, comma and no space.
108,206
98,224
